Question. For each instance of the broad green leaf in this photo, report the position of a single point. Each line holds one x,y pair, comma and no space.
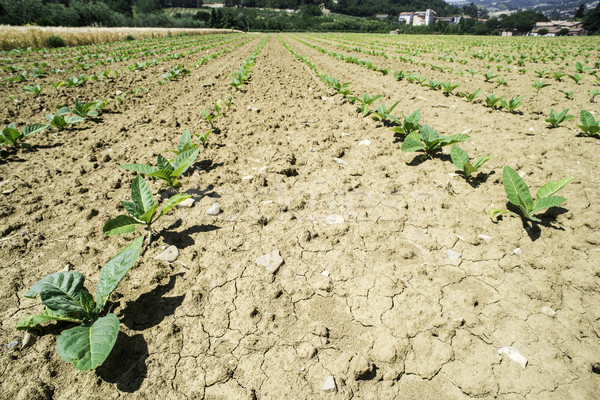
147,216
551,187
120,225
74,119
164,174
11,134
447,140
133,209
428,134
516,189
141,194
184,141
62,292
586,118
143,168
547,202
186,159
35,128
459,157
63,111
32,321
163,163
468,169
412,142
114,270
172,202
87,346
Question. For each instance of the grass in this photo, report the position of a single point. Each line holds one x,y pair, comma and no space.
14,37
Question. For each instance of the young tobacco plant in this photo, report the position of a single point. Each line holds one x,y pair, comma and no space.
410,124
568,95
81,109
539,85
36,90
594,93
384,114
60,120
518,194
448,87
365,102
164,170
429,141
557,118
143,210
461,160
589,126
11,135
66,299
512,104
472,96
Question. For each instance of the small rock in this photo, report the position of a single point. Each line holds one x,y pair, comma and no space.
486,238
215,209
188,202
548,311
169,255
307,350
453,255
271,261
118,92
335,219
13,344
514,355
345,134
28,340
361,368
329,385
339,161
365,142
8,191
518,251
325,273
596,368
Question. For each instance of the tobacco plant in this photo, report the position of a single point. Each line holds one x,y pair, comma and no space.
410,124
66,299
512,104
384,114
60,120
557,118
539,85
589,126
164,170
518,194
365,102
429,141
142,209
36,90
11,135
461,160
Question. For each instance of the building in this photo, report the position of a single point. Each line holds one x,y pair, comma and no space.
417,18
555,27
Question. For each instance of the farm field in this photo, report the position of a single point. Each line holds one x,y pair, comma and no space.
387,278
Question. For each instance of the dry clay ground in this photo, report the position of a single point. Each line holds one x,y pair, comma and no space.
395,281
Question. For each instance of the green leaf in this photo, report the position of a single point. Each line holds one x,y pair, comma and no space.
412,143
113,272
468,169
172,202
459,157
186,159
164,174
74,119
147,216
32,321
35,128
133,209
586,118
482,160
551,187
120,225
516,189
143,168
547,202
162,163
428,135
87,346
141,194
62,292
185,140
454,139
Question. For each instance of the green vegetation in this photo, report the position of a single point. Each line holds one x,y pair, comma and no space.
461,160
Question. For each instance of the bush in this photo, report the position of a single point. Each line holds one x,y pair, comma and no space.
129,38
542,32
55,41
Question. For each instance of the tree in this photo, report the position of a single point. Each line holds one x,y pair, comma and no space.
146,6
580,13
591,22
543,32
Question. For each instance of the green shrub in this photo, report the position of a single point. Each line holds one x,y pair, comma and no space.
55,41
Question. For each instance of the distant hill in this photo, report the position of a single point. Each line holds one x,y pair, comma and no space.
565,8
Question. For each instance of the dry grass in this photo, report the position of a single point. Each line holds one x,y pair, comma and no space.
13,37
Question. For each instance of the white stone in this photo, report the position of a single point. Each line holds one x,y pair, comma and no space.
514,355
325,273
329,385
215,209
335,219
271,261
365,142
518,251
453,255
548,311
169,255
485,237
187,202
339,161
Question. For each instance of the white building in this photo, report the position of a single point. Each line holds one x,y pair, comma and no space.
417,18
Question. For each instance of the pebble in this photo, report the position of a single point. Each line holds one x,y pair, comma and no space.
118,92
215,209
325,273
28,340
486,238
188,202
514,355
329,385
335,219
13,344
518,251
453,255
169,255
271,261
340,161
548,311
8,191
365,142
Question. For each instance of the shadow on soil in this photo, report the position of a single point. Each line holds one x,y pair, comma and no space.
126,364
184,239
151,308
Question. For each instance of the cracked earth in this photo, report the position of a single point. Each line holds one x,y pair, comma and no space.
395,282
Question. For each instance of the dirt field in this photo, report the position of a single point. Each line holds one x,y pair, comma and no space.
395,282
